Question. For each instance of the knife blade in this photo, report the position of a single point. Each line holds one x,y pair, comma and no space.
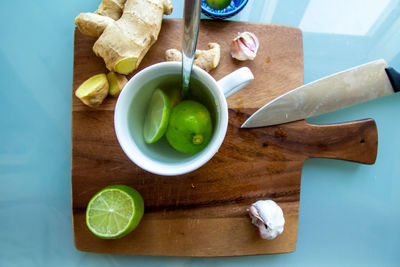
356,85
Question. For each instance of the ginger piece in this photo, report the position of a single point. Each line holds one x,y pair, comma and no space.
123,40
173,55
111,8
92,24
94,90
116,83
208,59
205,59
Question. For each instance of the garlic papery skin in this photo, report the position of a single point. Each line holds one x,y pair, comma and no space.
268,217
244,46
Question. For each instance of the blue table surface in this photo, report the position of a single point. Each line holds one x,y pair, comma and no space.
349,213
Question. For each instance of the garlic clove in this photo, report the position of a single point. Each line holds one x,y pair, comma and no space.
268,217
244,46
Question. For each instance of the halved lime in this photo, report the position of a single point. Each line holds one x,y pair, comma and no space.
114,211
156,119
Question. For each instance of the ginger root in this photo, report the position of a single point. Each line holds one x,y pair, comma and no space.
126,29
94,90
205,59
92,24
111,8
116,82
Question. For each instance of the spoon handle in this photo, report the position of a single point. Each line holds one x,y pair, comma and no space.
191,23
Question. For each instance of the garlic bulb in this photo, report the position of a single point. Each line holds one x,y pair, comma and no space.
268,217
244,46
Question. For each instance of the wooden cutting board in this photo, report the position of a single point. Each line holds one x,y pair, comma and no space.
203,213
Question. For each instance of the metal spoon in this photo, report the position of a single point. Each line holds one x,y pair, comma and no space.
191,23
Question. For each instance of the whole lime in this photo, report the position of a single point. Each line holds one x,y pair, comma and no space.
190,127
218,4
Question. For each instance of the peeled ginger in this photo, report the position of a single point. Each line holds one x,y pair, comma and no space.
94,90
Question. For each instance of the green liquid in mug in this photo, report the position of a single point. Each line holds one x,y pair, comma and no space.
161,150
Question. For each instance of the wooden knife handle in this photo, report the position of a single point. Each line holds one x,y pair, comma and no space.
354,141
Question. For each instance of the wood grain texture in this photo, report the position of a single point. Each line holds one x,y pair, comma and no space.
203,213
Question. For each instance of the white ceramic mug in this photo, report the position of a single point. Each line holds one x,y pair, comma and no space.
160,158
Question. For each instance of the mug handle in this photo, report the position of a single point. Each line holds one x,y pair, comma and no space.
235,81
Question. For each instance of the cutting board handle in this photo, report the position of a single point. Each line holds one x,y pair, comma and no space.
354,141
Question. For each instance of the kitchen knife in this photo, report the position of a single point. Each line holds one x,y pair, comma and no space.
342,89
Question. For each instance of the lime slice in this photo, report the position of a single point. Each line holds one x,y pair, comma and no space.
114,211
218,4
156,119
